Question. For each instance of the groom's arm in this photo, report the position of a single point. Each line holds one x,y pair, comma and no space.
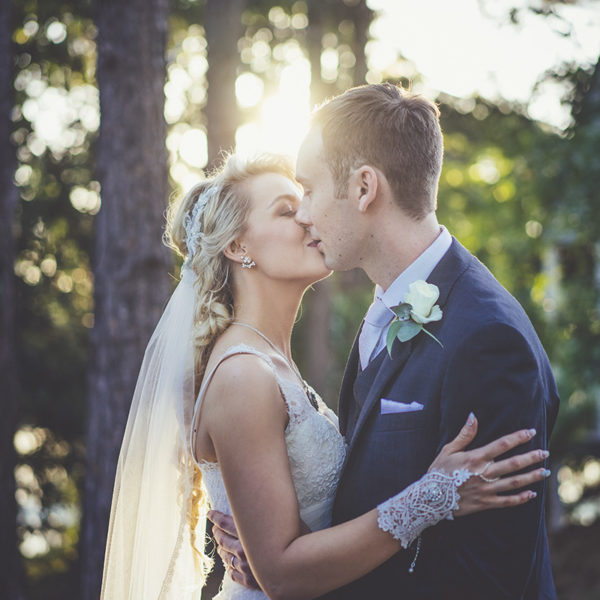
494,373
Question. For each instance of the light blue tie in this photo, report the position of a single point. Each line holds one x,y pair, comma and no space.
377,318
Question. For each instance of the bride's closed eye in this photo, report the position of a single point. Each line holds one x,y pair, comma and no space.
289,211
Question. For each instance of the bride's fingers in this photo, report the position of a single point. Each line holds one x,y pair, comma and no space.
465,436
512,500
515,463
480,498
516,482
504,444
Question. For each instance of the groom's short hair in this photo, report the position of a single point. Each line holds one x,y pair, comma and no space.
386,127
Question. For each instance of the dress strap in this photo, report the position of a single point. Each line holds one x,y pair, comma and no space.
233,351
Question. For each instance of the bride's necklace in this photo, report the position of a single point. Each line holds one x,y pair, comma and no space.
309,393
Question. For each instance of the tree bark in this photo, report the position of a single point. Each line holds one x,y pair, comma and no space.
317,335
130,264
11,572
223,27
363,16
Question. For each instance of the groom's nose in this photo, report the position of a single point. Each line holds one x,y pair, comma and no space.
303,215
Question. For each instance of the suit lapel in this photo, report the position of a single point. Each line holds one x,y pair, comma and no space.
346,393
453,264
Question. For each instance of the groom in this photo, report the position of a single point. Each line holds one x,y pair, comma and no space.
370,167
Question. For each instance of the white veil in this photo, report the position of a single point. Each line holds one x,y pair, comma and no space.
149,551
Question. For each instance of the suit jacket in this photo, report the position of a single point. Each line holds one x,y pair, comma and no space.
491,363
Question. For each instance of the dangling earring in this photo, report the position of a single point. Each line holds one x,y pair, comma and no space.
247,262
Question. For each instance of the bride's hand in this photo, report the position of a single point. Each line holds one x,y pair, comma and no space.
481,491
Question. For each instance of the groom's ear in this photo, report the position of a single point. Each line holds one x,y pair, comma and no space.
364,184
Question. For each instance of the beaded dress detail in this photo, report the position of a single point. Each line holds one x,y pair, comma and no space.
316,452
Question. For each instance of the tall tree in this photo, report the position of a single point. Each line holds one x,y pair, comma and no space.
10,565
130,264
223,26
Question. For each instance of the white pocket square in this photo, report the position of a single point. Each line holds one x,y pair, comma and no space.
390,407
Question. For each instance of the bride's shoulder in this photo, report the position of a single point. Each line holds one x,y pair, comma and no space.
240,364
244,384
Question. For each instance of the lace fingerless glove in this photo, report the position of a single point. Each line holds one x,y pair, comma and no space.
422,504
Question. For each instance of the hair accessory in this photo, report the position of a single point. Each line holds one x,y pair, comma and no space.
247,262
192,222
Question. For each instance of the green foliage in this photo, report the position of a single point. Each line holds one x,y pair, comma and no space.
521,199
55,57
570,189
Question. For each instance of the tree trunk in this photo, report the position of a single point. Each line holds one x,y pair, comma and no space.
223,27
130,264
363,16
319,13
11,572
318,301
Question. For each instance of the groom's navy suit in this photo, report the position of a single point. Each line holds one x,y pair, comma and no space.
491,363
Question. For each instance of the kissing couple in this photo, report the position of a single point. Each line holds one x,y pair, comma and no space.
432,484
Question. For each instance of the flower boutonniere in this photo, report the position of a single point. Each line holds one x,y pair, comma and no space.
419,308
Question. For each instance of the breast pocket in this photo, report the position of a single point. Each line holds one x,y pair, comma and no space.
404,421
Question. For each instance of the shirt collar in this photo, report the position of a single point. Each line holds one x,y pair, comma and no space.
420,268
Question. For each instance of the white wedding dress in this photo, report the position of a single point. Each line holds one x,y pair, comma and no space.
316,452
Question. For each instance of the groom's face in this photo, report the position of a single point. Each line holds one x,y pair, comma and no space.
330,220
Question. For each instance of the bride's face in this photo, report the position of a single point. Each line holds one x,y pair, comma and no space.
280,247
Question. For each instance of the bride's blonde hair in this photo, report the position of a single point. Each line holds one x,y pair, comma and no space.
223,220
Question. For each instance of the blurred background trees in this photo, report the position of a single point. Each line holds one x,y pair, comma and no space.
84,276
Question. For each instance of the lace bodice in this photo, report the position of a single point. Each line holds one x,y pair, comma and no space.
316,453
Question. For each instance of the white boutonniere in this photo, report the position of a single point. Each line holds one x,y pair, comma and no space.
418,309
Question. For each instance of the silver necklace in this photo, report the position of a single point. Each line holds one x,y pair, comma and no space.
309,393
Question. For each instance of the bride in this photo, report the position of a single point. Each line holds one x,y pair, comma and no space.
222,418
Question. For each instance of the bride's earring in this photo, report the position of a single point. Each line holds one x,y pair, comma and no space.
247,262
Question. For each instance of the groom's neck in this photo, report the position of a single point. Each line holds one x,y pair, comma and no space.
399,242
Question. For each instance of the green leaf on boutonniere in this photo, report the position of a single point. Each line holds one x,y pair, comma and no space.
403,330
432,336
408,330
402,311
391,335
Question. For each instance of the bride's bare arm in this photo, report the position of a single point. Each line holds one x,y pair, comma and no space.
245,417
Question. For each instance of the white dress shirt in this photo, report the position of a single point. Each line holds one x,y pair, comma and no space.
377,320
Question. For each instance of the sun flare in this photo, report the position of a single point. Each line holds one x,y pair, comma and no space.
282,119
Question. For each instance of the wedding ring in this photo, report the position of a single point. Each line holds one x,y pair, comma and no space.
232,564
483,477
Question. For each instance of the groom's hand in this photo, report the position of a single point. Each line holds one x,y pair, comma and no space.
230,550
